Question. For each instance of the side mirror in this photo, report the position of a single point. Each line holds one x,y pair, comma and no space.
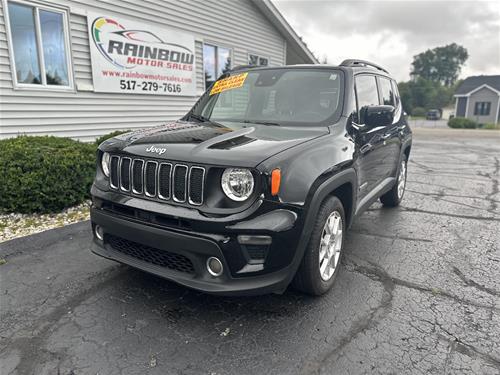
377,115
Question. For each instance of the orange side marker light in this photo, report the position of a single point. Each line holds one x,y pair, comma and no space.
275,181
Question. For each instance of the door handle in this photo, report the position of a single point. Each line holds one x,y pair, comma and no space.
386,136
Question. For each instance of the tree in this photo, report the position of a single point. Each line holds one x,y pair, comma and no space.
422,93
440,64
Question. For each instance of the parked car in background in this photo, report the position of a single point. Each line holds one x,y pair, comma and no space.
433,114
256,186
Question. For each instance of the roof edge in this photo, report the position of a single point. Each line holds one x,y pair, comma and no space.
484,85
273,14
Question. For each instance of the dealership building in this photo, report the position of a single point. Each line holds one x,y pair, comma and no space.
83,68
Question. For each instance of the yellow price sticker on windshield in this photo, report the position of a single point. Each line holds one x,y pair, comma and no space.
228,83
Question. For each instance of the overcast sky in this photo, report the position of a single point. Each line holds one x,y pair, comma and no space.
392,32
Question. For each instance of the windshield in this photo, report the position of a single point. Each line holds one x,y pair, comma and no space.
275,97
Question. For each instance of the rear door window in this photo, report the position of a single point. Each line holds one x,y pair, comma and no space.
386,91
396,93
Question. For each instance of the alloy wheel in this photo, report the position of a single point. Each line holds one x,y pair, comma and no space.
330,246
402,179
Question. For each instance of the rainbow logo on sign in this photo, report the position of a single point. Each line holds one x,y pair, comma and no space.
97,31
125,47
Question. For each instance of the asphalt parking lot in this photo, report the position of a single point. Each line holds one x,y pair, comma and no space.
419,292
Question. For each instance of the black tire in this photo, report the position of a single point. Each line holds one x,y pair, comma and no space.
308,278
392,198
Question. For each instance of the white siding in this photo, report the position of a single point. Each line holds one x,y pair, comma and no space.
483,95
85,114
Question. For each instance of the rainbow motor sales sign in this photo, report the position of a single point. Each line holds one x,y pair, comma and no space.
132,57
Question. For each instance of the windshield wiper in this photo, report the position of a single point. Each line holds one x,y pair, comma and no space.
198,117
201,118
261,122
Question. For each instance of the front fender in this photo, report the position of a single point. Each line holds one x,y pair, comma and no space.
306,166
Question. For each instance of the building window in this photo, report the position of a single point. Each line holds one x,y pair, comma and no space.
257,60
216,61
482,108
39,45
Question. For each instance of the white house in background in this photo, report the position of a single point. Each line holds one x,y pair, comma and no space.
84,68
478,98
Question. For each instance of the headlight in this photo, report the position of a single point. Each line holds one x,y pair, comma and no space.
237,183
105,163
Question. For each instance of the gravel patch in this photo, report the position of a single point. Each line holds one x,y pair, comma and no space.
19,225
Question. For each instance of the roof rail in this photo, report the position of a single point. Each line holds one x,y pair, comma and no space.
356,62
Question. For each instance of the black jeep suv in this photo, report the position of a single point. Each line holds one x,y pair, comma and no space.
256,186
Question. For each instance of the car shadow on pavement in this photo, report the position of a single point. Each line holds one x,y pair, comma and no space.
161,293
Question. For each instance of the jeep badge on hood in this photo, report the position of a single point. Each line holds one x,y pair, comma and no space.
157,150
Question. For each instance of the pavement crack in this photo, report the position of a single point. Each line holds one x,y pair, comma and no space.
31,348
471,351
362,324
404,238
421,166
462,347
376,273
442,194
471,217
448,188
472,283
495,188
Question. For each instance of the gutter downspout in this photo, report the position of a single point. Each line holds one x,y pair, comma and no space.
498,110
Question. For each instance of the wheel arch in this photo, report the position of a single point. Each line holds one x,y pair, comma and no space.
343,185
406,151
345,193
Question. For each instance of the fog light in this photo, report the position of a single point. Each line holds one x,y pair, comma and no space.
214,266
99,233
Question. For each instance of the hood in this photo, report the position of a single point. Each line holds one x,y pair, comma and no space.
227,144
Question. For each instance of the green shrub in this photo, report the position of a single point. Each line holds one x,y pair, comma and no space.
461,122
105,137
491,126
44,174
418,112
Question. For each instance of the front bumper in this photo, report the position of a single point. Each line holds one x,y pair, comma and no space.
241,275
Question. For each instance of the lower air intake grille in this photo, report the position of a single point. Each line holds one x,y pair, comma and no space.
148,254
256,251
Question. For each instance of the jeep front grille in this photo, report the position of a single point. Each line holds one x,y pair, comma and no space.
180,177
137,182
113,180
164,180
125,174
158,180
150,178
195,188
